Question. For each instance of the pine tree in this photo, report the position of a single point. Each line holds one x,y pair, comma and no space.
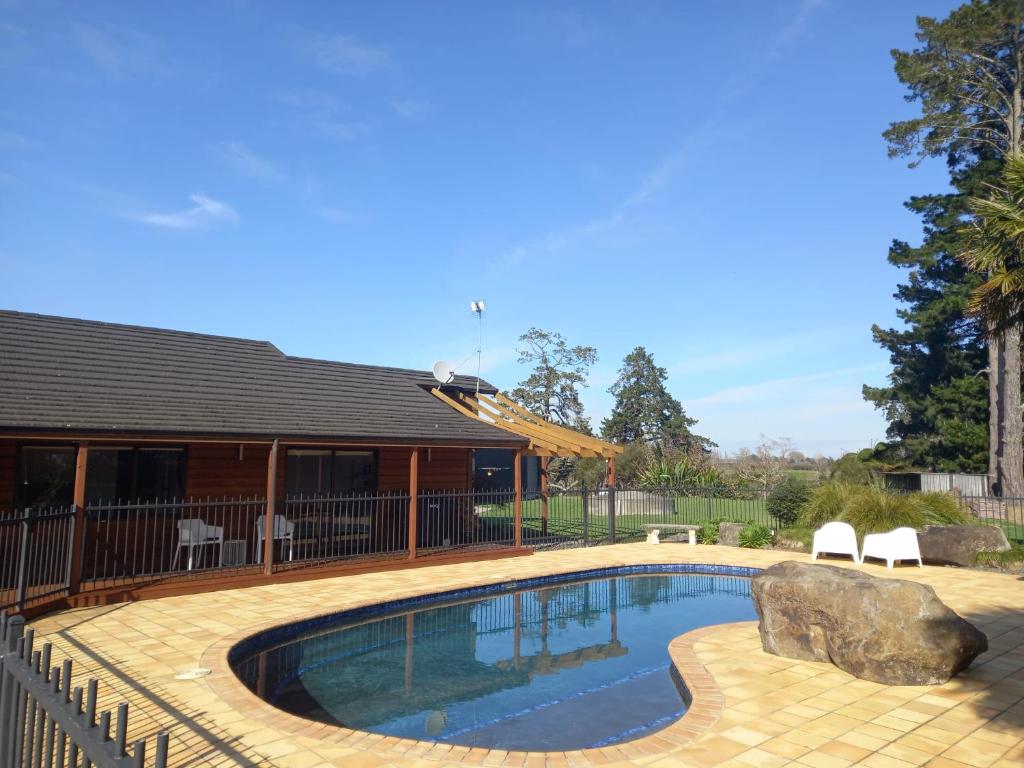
645,411
937,400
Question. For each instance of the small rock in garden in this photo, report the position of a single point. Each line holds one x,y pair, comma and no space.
959,544
889,631
729,533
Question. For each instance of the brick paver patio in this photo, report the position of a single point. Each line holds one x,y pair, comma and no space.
750,709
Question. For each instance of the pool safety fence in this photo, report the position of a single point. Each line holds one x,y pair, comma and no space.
46,721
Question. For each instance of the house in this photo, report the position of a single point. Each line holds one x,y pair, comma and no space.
165,452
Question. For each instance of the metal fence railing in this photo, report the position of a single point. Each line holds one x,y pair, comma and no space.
320,529
1005,512
35,556
127,542
45,722
461,519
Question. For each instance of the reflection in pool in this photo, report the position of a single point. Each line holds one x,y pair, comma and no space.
562,666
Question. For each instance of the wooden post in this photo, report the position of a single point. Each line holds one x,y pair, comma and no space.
517,630
410,642
414,491
268,521
543,495
518,515
611,471
78,535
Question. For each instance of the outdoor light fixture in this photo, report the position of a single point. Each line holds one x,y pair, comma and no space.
477,306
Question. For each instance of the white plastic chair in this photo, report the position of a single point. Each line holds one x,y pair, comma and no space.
283,531
194,533
835,539
899,544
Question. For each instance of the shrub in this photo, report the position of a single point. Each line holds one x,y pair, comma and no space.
872,510
755,537
708,533
827,503
852,469
661,473
941,509
787,499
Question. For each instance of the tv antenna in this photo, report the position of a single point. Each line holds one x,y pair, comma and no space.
477,308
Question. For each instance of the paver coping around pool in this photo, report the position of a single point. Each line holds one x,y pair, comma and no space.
705,699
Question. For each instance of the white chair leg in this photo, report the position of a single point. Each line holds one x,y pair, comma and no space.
189,557
691,537
291,554
889,563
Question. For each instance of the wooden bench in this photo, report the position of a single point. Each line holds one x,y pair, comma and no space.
654,529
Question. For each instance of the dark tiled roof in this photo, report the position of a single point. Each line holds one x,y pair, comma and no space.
62,374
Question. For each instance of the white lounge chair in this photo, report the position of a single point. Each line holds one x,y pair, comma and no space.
194,533
899,544
835,539
283,531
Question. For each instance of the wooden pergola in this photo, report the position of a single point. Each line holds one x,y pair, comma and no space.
547,440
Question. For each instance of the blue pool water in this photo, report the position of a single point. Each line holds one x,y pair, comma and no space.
560,665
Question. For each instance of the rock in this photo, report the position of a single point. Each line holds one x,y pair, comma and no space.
889,631
729,533
958,544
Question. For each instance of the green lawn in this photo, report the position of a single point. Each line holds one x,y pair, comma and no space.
565,516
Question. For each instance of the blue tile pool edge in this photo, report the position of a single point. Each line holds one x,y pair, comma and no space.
269,638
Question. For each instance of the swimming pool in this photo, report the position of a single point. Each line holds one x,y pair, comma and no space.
551,664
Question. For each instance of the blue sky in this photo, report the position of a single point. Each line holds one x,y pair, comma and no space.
704,179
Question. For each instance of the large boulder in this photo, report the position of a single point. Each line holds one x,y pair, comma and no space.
958,544
887,630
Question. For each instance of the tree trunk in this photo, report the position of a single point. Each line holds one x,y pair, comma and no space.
995,365
1013,420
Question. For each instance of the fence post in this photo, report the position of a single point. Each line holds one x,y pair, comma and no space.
414,506
26,536
270,510
611,514
586,517
13,627
710,511
517,508
78,532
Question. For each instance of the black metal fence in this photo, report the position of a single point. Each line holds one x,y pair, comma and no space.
460,519
587,517
35,556
45,721
1005,512
128,542
320,529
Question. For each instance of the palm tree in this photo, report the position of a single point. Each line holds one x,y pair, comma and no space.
995,248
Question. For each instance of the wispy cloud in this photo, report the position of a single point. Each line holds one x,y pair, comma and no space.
666,168
765,390
347,55
738,355
411,109
205,211
338,215
341,130
118,50
246,162
12,141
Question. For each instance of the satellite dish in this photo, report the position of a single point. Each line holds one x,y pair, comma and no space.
444,371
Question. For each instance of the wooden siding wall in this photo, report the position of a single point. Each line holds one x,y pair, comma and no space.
8,472
440,469
215,470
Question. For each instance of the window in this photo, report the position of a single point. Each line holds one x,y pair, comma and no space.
134,474
46,477
313,472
